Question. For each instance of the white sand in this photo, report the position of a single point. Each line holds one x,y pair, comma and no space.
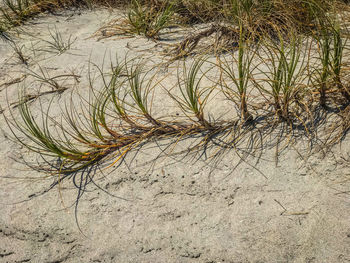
178,209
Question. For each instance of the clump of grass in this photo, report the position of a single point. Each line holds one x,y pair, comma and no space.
324,42
140,90
253,16
141,19
284,77
337,61
3,30
149,20
194,97
19,53
119,118
331,46
16,11
57,43
258,17
114,91
44,142
239,80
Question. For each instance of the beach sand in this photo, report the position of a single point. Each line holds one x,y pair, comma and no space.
179,208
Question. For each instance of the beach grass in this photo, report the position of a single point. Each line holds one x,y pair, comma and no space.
267,57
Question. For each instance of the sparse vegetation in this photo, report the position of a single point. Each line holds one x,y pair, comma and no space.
263,50
57,43
54,83
216,117
19,53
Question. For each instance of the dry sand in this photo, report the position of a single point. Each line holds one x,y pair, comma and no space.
183,208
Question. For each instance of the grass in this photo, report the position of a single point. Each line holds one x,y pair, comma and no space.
44,80
331,46
324,42
268,46
57,43
286,65
140,90
95,138
260,18
148,20
240,80
3,29
16,12
19,53
194,97
339,45
118,117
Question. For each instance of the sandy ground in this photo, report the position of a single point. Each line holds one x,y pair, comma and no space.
183,208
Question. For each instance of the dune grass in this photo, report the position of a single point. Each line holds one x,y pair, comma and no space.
149,21
150,17
268,58
98,136
22,58
56,43
242,77
285,64
119,118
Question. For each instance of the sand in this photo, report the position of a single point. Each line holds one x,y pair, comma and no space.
181,208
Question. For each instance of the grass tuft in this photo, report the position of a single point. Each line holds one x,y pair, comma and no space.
149,20
194,97
57,43
241,80
286,66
